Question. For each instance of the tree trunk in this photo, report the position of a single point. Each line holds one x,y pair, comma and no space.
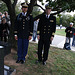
11,11
31,5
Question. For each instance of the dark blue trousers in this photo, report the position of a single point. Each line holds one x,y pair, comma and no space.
22,48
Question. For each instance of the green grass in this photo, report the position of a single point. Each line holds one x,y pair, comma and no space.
60,62
60,32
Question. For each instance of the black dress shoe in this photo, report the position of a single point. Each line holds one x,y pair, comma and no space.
18,61
44,62
22,61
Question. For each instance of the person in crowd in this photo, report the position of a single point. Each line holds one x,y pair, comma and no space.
23,31
0,13
35,30
69,34
61,26
1,32
6,16
3,16
4,30
46,30
0,17
73,42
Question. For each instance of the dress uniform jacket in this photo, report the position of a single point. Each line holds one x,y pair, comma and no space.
23,26
46,27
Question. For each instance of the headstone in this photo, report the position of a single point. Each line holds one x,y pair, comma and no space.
1,60
7,47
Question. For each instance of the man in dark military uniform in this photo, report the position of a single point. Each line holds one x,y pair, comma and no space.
23,32
46,30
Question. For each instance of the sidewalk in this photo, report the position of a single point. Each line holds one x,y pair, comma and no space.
58,41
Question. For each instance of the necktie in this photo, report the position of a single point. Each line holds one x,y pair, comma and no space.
47,16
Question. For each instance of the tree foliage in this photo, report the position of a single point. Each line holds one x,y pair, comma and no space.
57,21
36,11
64,20
3,7
61,5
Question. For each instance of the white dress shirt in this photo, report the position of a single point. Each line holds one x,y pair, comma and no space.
24,14
47,15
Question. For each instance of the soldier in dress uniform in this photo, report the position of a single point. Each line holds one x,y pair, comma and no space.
23,32
46,30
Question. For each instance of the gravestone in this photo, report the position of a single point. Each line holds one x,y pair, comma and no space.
5,49
1,60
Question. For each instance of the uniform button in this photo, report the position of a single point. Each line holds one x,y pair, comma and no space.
49,26
48,32
23,19
44,29
44,32
48,29
44,26
23,27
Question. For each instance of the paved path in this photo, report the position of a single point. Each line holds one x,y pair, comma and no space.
58,41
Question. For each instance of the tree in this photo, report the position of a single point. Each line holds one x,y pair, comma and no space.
17,8
74,20
11,10
66,19
57,5
36,11
3,7
57,21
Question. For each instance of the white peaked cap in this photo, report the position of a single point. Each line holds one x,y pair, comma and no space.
71,23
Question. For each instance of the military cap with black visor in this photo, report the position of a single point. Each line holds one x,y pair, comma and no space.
24,5
47,6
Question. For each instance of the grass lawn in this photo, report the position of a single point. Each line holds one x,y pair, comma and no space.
60,62
60,32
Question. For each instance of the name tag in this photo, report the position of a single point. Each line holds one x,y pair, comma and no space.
51,20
